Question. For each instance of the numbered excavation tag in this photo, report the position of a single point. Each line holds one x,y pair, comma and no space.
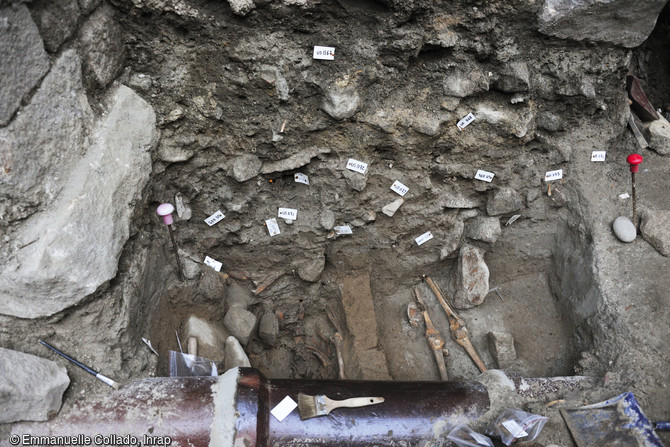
598,155
357,166
399,188
214,218
288,213
301,178
425,237
273,226
343,229
484,176
325,53
463,123
216,265
553,175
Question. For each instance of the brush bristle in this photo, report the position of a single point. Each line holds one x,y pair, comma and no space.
307,406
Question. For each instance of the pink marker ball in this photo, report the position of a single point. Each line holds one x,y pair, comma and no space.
165,211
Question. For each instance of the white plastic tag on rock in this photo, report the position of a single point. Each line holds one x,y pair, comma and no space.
553,175
214,218
301,178
357,166
624,196
273,226
598,155
469,118
325,53
425,237
343,229
399,188
515,429
216,265
288,213
284,408
484,176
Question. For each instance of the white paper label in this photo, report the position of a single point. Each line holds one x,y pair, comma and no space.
598,155
515,429
288,213
216,265
553,175
301,178
357,166
425,237
273,226
481,439
484,175
215,218
284,408
399,188
343,229
465,121
325,53
624,196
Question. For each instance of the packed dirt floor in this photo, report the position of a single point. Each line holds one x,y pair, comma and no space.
233,106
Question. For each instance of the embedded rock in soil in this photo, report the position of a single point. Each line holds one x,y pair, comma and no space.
501,347
655,230
485,229
246,167
514,78
211,286
624,229
31,388
311,270
211,337
622,22
469,282
235,355
79,238
101,43
240,322
268,329
659,136
459,83
391,208
241,7
56,21
503,201
355,180
341,100
24,60
238,296
295,161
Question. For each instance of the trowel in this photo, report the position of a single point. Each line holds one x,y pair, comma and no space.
617,422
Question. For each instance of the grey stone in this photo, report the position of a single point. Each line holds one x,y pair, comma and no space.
622,22
140,81
391,208
341,101
87,6
501,347
469,282
211,286
240,322
485,229
101,46
24,61
659,136
173,152
238,296
503,201
549,121
461,83
40,156
210,335
246,167
183,210
311,270
80,235
624,229
356,181
31,388
268,330
282,87
235,355
190,267
295,161
655,230
241,7
514,79
56,21
327,219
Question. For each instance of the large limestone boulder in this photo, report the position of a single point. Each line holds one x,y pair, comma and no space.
31,388
77,238
622,22
101,44
23,59
469,283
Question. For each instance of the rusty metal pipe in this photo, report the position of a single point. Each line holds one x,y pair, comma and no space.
234,410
